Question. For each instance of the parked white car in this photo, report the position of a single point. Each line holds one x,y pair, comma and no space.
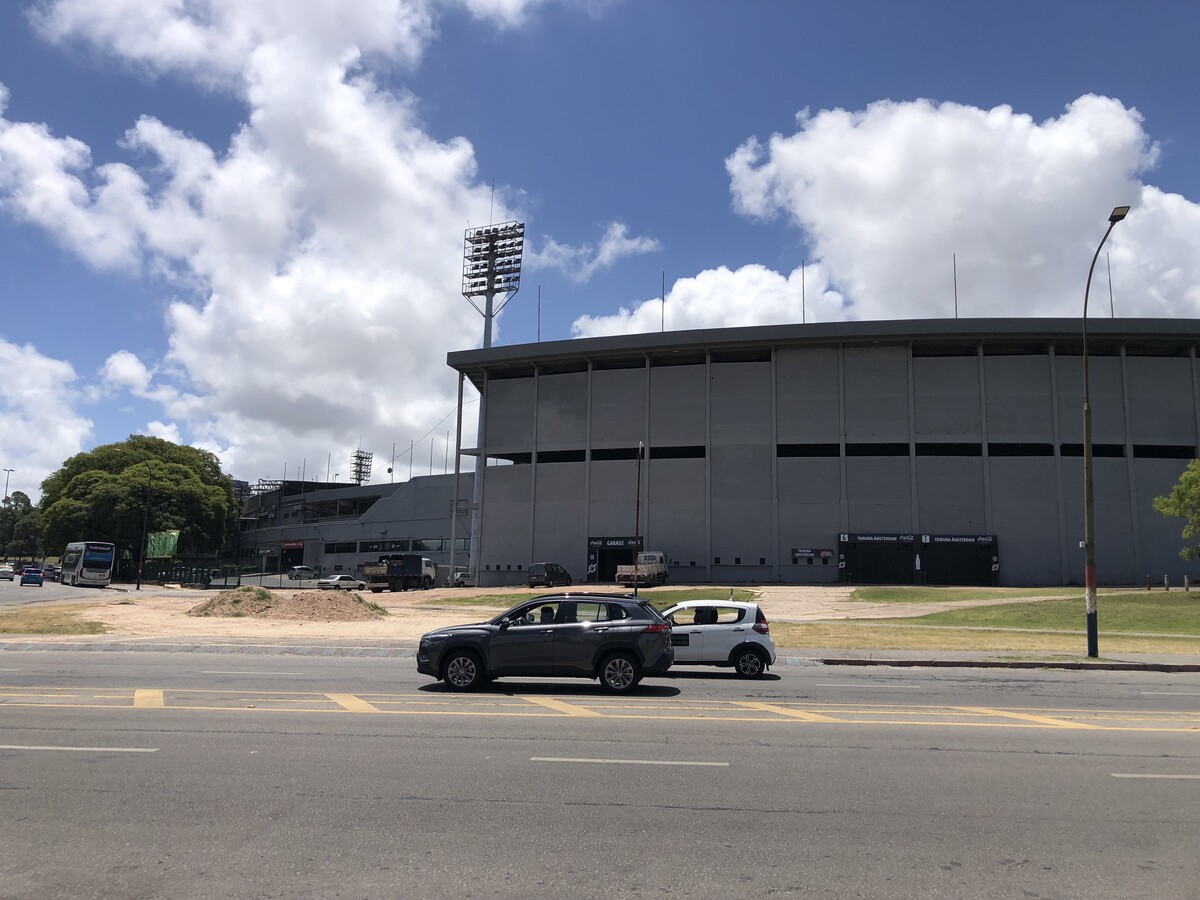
342,582
6,571
722,633
463,578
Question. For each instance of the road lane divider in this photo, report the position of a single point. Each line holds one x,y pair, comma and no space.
571,709
148,699
803,714
1049,721
353,704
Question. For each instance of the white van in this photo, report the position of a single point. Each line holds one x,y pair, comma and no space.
295,573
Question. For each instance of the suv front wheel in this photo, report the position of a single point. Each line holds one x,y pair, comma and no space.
463,671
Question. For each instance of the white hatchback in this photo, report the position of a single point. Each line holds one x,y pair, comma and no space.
721,633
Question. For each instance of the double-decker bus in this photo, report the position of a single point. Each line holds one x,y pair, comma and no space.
88,563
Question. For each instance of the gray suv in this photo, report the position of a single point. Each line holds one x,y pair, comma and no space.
615,639
549,575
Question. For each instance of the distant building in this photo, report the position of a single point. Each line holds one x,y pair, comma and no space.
336,528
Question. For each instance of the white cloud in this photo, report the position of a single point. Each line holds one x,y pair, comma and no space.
166,431
313,253
720,298
581,263
124,371
890,195
41,426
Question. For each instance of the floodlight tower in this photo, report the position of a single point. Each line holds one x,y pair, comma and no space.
491,265
362,466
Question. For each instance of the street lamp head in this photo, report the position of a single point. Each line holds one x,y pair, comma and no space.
1118,214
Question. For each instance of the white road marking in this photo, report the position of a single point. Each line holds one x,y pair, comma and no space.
219,672
626,762
1172,693
1171,777
81,749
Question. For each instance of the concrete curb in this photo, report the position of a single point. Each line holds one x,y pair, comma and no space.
401,651
1014,664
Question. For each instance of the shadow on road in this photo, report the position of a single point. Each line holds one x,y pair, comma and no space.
575,688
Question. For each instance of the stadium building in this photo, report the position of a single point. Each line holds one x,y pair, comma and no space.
935,451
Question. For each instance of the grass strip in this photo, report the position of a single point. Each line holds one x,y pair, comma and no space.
948,594
50,620
1143,611
873,636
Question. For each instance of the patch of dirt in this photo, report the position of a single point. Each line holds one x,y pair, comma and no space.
306,606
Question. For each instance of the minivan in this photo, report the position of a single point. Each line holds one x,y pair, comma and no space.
548,575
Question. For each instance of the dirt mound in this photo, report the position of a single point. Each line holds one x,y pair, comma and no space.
303,606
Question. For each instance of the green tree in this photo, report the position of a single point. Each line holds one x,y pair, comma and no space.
15,507
106,493
27,536
1184,502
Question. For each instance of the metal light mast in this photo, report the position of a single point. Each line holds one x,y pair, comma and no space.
491,265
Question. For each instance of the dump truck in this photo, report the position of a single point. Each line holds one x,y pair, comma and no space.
401,572
650,568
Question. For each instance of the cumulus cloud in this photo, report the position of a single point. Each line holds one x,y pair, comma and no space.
41,426
310,257
582,262
888,196
721,298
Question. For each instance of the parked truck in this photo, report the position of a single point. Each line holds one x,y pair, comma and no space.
650,568
400,572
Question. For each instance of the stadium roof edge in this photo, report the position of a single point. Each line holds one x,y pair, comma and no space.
881,331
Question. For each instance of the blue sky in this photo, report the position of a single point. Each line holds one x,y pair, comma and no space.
240,225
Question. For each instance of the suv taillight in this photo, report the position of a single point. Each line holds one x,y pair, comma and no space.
657,628
760,623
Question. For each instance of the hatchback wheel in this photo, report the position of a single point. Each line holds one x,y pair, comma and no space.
750,663
463,671
620,673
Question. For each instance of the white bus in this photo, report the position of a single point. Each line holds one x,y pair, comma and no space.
87,563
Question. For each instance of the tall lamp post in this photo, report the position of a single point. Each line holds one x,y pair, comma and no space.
145,523
7,472
1089,506
637,516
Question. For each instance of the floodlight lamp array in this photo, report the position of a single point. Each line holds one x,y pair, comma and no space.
492,259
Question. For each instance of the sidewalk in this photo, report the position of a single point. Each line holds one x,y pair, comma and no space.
406,649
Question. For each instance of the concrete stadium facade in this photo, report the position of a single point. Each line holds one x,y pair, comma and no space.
847,451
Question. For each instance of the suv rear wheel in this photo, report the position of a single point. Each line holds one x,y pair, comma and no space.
620,673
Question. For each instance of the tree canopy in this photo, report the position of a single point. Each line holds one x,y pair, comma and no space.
107,493
20,527
1184,502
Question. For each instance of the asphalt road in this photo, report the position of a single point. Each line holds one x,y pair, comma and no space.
194,775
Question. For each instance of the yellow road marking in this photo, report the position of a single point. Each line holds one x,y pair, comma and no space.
787,711
569,708
1025,717
353,703
147,699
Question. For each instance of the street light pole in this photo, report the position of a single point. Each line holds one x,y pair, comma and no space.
145,523
7,472
637,517
1089,505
